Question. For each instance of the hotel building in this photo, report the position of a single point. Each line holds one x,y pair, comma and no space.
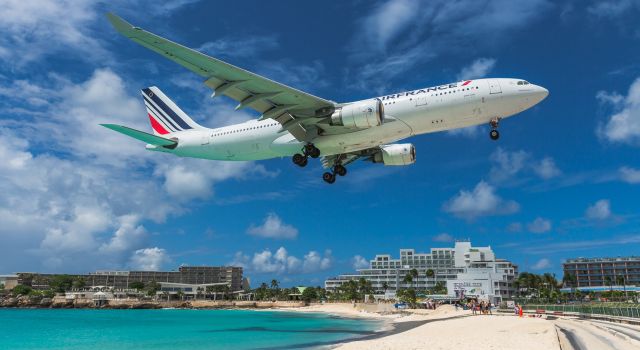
187,279
466,271
593,272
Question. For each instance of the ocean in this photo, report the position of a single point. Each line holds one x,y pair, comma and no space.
174,329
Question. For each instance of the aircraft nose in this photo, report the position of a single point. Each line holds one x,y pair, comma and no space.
541,93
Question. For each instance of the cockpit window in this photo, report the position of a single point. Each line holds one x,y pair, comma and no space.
523,82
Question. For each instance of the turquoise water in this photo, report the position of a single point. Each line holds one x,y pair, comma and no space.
173,329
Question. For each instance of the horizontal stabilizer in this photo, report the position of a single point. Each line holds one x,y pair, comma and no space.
142,136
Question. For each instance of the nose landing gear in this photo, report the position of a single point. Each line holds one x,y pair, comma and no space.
494,134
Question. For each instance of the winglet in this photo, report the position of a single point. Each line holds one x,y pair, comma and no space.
142,136
120,24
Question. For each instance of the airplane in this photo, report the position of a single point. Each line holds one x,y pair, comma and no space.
299,125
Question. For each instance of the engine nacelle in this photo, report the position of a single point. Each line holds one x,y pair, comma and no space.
359,115
397,154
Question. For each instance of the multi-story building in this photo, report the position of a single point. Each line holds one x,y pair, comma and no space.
465,270
593,272
121,280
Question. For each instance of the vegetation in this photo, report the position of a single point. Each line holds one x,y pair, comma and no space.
61,283
152,288
407,295
21,290
137,285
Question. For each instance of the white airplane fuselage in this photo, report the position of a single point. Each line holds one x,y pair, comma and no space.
444,107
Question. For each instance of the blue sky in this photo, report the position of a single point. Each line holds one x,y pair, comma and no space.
563,181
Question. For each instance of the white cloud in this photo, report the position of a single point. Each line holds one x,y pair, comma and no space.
273,227
508,164
612,9
281,262
34,29
600,210
477,69
546,168
399,35
442,237
314,262
388,20
84,204
482,201
359,262
542,264
149,259
624,125
630,175
539,225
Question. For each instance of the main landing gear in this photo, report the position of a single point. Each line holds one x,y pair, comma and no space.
494,134
330,177
309,150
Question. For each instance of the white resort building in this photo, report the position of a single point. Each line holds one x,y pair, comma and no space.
465,270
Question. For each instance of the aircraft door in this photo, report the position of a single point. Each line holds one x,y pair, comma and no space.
494,87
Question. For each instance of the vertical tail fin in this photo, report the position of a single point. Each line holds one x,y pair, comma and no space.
164,115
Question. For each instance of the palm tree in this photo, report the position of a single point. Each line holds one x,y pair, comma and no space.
609,282
569,280
407,278
274,284
430,274
385,286
414,276
620,280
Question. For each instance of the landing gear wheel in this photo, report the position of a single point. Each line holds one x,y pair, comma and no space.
311,150
494,134
329,177
340,170
299,160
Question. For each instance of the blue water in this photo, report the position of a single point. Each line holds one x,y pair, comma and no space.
173,329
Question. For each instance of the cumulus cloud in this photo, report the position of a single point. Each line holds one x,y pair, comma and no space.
477,69
630,175
273,227
282,262
600,210
481,201
149,259
359,262
623,126
542,264
508,164
539,225
546,168
84,204
442,237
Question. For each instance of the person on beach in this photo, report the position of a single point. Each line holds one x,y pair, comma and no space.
473,307
489,307
515,309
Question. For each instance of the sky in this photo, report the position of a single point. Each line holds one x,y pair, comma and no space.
563,181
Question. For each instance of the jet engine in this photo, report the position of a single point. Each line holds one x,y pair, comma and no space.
397,154
359,115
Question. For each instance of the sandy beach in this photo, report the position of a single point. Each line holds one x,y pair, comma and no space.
446,328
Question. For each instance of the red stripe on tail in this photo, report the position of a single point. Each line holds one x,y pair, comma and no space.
156,126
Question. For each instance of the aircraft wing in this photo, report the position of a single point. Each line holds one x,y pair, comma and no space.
297,111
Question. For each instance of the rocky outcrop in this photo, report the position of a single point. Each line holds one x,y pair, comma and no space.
10,302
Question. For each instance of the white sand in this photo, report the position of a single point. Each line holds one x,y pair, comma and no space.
446,330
